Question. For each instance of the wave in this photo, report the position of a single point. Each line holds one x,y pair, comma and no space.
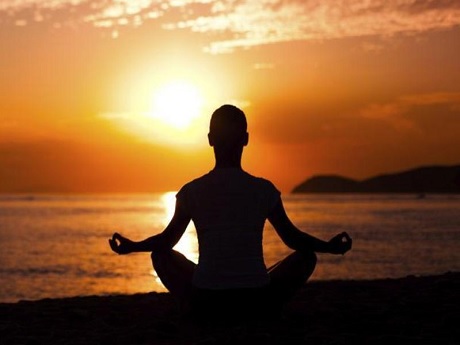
83,197
59,271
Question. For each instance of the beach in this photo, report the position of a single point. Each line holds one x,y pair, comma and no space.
411,310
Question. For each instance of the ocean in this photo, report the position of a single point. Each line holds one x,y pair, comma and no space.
54,246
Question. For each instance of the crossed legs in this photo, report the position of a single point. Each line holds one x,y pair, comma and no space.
286,277
290,274
175,272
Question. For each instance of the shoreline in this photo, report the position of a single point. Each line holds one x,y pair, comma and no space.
411,310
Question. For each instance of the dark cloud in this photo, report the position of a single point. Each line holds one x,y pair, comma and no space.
420,6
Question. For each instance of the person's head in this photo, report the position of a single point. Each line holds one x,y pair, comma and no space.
228,128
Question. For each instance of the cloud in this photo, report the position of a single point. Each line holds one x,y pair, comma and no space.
390,113
416,116
99,13
432,98
406,113
245,23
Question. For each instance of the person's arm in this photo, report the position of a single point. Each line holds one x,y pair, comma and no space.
163,241
298,240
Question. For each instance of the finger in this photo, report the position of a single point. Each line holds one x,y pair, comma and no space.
114,246
348,245
337,237
117,236
344,238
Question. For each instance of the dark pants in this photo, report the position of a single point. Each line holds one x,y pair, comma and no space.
286,278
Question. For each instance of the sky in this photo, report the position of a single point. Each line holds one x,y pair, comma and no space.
116,95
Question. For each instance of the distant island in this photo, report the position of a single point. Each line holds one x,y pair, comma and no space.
429,179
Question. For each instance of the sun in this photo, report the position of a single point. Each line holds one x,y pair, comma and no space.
174,113
177,104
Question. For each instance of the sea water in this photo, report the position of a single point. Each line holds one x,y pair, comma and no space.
56,245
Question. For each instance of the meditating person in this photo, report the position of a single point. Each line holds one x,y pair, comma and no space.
229,207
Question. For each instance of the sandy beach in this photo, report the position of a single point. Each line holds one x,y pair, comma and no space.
411,310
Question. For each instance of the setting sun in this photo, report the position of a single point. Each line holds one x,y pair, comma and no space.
177,104
170,113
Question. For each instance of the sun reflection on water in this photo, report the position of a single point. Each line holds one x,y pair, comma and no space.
169,203
188,244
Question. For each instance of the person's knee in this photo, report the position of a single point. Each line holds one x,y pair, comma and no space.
309,258
158,256
312,258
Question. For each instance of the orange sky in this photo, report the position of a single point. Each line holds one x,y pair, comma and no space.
343,86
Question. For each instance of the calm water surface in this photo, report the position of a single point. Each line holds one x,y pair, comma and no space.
56,246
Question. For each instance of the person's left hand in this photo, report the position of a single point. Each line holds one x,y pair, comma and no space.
340,244
120,244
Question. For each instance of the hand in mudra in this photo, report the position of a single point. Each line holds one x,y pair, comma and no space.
120,244
340,244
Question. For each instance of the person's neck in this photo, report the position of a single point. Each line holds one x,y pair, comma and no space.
228,165
226,161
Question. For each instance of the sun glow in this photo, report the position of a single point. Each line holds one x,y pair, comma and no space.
173,113
177,104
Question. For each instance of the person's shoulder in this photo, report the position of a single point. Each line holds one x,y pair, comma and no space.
195,182
267,191
263,182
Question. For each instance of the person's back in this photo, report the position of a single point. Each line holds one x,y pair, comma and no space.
229,207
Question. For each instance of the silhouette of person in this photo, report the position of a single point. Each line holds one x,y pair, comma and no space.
229,208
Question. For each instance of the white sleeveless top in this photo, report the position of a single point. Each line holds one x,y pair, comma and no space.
229,208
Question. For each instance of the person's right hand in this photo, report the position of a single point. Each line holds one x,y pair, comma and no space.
120,244
340,244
